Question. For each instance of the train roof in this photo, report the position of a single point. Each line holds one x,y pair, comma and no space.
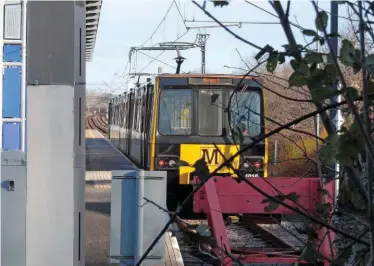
173,76
165,75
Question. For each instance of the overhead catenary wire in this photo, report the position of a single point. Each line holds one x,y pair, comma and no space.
157,56
156,59
159,25
153,59
180,14
228,30
153,33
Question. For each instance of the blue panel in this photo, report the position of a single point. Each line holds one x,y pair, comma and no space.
12,136
12,92
12,53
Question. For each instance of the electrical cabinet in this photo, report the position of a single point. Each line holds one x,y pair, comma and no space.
13,208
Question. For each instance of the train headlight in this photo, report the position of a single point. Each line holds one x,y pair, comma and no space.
246,165
172,163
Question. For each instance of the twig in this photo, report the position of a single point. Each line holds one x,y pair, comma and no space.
241,58
352,243
268,12
229,160
348,96
369,160
280,202
194,231
226,28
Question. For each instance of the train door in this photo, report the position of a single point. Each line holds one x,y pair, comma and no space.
141,119
123,129
120,119
147,123
110,121
130,122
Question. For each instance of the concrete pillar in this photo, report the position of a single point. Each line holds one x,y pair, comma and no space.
55,138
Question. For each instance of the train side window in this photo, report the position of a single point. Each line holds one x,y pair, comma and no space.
120,113
138,117
115,114
175,113
131,111
123,113
124,118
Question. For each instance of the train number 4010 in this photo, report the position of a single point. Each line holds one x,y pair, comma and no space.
251,175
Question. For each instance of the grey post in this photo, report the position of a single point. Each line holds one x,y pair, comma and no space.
55,133
335,113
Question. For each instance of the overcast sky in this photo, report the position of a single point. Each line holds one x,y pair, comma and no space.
128,23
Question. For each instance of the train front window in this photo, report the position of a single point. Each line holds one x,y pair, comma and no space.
245,112
210,113
175,113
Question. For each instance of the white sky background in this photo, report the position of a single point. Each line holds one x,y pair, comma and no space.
127,23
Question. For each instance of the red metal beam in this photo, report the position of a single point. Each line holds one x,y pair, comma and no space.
327,236
216,222
224,195
237,197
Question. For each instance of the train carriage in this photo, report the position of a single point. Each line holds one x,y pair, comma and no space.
184,117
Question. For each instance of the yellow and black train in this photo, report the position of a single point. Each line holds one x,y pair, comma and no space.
182,116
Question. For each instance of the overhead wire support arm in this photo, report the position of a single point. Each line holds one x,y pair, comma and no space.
172,46
158,48
214,26
234,22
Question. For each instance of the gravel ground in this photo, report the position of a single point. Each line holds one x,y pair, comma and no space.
97,226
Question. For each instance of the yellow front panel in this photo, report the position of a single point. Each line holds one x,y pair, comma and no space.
190,153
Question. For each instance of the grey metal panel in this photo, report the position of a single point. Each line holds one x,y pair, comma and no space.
50,42
79,217
13,208
115,219
125,205
122,214
154,219
51,208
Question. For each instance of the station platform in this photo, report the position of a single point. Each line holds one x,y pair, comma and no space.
101,158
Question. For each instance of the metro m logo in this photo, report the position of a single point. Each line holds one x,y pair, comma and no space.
210,155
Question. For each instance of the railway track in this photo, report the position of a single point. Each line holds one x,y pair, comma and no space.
97,122
274,238
259,238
